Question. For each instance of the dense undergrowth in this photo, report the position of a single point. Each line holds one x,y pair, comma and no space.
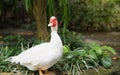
77,56
95,15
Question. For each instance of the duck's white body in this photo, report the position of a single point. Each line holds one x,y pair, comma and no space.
41,56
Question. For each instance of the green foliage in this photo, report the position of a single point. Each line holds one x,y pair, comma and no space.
28,5
101,54
61,9
65,12
74,61
66,49
16,40
90,57
51,7
72,39
106,62
11,38
5,52
13,45
95,15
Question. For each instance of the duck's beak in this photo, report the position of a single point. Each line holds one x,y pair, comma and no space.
50,24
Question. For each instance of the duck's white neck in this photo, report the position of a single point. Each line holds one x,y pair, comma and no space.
54,28
54,37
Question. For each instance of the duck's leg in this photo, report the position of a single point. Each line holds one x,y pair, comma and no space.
32,73
49,73
40,72
46,71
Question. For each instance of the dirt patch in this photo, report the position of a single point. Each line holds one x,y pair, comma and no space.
10,31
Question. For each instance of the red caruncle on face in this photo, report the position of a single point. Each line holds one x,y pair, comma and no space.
54,22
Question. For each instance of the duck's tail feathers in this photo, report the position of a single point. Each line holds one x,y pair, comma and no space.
13,59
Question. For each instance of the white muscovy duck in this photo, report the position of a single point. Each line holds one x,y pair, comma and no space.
43,56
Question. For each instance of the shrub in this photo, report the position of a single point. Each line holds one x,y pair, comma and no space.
95,15
91,56
72,39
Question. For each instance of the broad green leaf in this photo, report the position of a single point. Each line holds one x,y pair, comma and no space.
81,52
75,54
70,55
98,50
66,49
108,48
26,4
92,54
106,62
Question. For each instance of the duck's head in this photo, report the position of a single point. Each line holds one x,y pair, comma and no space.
53,23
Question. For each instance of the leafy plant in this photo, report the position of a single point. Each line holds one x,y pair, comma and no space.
75,62
72,39
101,54
90,56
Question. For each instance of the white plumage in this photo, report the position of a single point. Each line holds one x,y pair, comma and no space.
43,56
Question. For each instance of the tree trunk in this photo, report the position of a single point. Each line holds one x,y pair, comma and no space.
39,11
